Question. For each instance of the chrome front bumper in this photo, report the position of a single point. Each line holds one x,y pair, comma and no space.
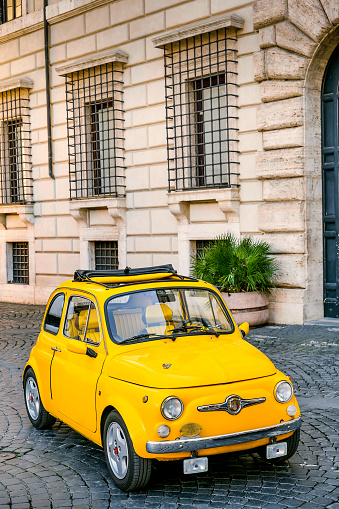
196,444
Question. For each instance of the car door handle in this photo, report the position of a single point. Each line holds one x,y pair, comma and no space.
55,349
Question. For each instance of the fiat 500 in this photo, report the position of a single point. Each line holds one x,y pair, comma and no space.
150,365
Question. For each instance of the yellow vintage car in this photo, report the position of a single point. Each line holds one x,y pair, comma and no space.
150,365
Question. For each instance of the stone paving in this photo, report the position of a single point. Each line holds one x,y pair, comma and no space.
58,468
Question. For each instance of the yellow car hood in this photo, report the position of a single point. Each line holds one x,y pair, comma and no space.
190,362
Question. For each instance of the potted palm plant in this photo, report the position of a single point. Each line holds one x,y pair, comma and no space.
244,272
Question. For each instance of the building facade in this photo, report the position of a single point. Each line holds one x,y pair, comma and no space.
132,132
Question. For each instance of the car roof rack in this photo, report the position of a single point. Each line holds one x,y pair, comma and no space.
128,275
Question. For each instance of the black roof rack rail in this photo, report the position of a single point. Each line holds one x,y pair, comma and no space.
86,275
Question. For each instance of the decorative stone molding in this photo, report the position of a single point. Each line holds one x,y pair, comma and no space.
12,84
227,199
55,13
116,208
70,8
231,21
93,61
21,26
25,212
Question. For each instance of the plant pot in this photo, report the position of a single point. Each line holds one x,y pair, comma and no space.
251,307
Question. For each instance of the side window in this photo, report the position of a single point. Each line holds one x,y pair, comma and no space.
82,321
53,316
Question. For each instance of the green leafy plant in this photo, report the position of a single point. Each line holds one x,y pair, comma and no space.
236,265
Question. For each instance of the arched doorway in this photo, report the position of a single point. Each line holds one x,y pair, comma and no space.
330,167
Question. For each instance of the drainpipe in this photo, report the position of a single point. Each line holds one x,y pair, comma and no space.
48,95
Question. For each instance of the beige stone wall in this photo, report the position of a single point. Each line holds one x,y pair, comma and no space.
280,68
83,29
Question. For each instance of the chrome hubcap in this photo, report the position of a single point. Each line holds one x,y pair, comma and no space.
117,450
32,398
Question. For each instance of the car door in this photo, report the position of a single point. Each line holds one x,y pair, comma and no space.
47,341
78,362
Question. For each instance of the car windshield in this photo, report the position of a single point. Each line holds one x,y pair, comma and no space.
146,315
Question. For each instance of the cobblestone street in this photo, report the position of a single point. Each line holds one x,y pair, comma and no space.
58,468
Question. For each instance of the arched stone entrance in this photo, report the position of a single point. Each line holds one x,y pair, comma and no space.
296,40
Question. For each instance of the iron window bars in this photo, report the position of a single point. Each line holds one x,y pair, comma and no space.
20,263
201,102
106,255
10,9
15,147
95,124
200,247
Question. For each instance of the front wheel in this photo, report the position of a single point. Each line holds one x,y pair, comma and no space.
37,414
128,470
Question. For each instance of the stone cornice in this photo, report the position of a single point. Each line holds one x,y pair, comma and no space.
16,83
25,212
94,61
231,21
55,13
69,8
116,208
227,198
21,26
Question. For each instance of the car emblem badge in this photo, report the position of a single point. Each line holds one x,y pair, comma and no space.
166,366
234,404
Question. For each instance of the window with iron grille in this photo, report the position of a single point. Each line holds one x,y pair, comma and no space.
96,131
15,147
200,246
18,266
10,9
201,103
106,255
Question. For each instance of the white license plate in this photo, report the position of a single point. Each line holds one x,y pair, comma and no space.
276,450
195,465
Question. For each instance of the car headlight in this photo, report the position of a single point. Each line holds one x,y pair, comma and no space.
172,408
283,391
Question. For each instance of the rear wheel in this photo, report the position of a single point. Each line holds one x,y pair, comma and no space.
37,414
128,470
292,446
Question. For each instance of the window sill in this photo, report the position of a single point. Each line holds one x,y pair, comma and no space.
25,212
227,199
116,208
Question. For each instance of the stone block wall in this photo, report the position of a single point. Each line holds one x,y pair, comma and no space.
281,59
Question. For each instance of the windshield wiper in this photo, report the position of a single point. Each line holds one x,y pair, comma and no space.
144,336
205,327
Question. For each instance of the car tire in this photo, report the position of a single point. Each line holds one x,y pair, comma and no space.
37,414
292,446
128,470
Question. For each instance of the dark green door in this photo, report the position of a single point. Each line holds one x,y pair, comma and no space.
330,165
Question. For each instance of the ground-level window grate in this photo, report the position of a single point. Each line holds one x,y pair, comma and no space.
20,261
200,246
106,255
201,111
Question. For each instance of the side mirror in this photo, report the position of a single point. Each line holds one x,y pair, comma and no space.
244,329
76,346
